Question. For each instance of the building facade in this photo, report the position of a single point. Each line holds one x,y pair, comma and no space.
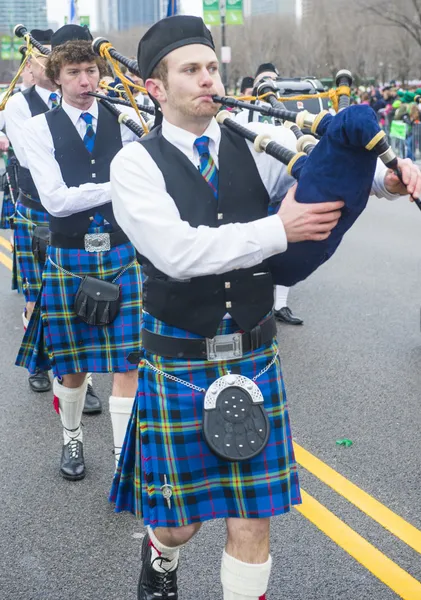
31,13
125,14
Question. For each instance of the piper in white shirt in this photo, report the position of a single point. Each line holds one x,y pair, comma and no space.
89,309
193,197
29,212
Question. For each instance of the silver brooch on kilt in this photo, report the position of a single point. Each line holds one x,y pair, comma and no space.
235,423
167,492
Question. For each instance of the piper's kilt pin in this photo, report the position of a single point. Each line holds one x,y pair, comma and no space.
72,345
168,475
26,219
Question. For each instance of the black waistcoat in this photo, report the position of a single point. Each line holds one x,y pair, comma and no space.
37,106
78,166
199,304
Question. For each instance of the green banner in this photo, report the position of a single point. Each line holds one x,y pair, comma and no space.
6,47
85,21
398,130
211,14
234,13
17,43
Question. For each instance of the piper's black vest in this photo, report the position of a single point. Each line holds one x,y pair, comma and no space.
199,304
37,106
78,166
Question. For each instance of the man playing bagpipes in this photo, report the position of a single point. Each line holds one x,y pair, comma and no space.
209,435
89,308
29,213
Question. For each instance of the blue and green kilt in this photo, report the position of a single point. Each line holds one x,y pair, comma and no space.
72,345
26,219
7,210
164,444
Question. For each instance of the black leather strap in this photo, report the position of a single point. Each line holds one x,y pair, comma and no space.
30,203
173,347
58,240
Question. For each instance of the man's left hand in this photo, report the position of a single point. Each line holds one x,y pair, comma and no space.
411,176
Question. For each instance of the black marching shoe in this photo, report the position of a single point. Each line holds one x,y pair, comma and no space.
93,404
154,585
39,381
72,464
285,315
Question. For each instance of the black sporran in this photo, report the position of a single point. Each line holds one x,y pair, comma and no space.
40,241
97,302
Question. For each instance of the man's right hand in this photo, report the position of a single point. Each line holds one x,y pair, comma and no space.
304,222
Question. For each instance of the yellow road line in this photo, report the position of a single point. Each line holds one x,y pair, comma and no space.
398,580
5,243
369,505
6,261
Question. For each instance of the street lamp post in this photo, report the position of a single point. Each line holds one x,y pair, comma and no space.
222,10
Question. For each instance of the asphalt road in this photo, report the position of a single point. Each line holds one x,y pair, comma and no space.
352,370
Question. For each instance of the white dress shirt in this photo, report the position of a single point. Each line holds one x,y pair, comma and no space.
16,113
58,199
150,218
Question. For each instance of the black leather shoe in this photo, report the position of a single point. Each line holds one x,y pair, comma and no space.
154,585
92,402
72,464
285,315
39,381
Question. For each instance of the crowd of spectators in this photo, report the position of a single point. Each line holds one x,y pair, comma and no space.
398,112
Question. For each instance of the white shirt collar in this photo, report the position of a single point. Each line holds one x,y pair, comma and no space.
74,113
45,94
184,140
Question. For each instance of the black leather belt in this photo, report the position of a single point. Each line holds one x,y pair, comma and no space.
28,202
173,347
59,240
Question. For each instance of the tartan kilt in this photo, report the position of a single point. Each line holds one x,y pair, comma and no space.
7,210
16,276
164,444
72,345
26,219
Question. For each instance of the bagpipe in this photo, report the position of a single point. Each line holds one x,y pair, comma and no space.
341,166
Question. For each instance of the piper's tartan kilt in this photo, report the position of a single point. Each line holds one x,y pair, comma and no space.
26,219
7,210
72,345
164,444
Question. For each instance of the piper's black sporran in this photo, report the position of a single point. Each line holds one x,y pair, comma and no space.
97,302
235,423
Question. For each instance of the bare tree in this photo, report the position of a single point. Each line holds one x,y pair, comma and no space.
404,14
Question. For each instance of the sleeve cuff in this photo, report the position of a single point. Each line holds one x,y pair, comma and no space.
270,235
378,188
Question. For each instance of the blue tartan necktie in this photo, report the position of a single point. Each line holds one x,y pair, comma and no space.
207,165
54,100
89,138
89,141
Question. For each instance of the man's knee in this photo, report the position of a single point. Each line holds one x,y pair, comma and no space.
239,529
177,536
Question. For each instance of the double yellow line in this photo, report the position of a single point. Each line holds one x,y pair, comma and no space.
387,571
5,260
369,556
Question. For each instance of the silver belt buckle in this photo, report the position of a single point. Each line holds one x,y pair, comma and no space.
224,347
97,242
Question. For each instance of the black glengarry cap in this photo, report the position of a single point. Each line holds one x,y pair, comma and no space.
168,35
69,33
43,36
